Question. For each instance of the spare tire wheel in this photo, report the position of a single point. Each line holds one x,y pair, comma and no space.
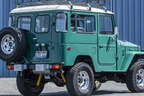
12,44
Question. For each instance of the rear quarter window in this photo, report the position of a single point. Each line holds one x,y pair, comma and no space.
24,23
10,21
61,22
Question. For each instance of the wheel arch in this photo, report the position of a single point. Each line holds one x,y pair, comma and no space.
137,57
85,58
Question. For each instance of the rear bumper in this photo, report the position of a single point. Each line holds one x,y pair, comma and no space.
37,67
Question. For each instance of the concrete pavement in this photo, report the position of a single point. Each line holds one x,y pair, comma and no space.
8,88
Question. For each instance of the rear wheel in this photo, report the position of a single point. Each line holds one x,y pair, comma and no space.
135,77
26,84
80,80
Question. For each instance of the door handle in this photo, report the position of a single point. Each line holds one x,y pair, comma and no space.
112,38
100,46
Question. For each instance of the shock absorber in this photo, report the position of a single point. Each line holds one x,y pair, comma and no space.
39,80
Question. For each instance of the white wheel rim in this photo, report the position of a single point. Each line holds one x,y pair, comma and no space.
140,78
83,81
8,44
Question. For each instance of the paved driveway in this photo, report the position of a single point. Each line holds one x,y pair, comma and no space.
8,88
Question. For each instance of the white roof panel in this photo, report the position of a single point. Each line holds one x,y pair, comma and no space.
57,7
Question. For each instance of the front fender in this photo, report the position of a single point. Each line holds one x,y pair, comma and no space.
128,60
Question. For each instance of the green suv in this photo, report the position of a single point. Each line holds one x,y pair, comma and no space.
74,46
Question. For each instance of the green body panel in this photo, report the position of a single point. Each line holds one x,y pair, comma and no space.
53,39
107,54
126,53
114,56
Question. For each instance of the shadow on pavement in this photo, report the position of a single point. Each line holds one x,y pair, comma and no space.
65,93
104,92
98,93
62,93
10,95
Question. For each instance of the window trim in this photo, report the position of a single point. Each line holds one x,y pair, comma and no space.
112,20
26,17
35,24
66,22
85,32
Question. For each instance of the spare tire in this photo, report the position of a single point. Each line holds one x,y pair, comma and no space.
12,44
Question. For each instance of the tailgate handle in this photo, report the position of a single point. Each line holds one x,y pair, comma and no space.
34,38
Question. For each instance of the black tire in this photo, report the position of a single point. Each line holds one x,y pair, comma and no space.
72,75
131,78
27,85
20,44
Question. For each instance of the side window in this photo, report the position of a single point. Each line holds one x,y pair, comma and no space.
106,25
82,23
61,22
42,24
24,23
10,21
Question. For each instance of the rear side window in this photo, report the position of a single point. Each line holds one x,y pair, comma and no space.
24,23
106,25
61,22
42,24
10,21
82,23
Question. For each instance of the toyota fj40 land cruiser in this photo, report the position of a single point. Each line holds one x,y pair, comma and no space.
68,45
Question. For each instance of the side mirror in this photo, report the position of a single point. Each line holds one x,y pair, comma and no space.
116,31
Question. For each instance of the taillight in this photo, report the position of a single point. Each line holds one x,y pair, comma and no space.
10,67
55,66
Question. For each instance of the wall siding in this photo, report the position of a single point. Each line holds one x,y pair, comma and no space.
129,16
130,20
5,7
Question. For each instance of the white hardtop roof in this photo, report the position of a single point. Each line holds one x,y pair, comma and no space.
57,7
